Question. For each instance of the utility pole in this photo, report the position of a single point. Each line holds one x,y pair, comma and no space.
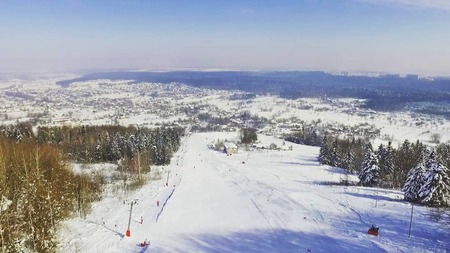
376,199
128,233
167,181
410,220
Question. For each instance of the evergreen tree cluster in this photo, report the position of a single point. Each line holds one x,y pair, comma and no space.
422,174
17,132
306,135
93,144
248,135
428,183
370,172
344,153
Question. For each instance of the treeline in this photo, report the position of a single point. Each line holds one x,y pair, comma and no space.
37,191
388,167
17,132
93,144
306,135
312,133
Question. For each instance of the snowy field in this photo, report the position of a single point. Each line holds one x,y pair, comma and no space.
254,201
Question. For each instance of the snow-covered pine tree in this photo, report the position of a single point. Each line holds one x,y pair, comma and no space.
381,154
416,177
115,148
335,154
414,183
420,152
436,189
345,161
324,155
386,163
389,158
369,174
443,154
402,164
349,161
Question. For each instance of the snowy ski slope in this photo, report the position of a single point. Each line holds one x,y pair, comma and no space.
254,201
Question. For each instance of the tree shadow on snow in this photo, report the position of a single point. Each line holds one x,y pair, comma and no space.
110,229
381,190
327,183
337,170
303,163
373,196
277,240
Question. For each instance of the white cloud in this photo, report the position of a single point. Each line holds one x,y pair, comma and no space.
434,4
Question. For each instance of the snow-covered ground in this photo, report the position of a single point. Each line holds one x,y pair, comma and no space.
254,201
122,102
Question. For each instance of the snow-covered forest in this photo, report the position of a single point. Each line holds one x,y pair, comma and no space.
422,173
39,189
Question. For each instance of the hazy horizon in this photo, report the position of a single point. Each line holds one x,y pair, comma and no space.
391,36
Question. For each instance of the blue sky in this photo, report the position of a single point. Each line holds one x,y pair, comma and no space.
400,36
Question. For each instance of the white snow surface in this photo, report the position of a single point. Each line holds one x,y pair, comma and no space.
253,201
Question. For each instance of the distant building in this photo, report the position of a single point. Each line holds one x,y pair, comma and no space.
391,76
412,77
230,148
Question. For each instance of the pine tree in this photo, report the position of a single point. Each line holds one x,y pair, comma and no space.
416,177
348,161
351,160
443,154
370,171
386,163
403,164
335,155
414,183
389,158
324,155
115,149
381,154
436,189
420,153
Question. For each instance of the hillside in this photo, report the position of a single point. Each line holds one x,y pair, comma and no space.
254,201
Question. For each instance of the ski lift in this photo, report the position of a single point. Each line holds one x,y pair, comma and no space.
374,230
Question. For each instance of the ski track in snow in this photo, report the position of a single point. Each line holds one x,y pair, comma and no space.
217,203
